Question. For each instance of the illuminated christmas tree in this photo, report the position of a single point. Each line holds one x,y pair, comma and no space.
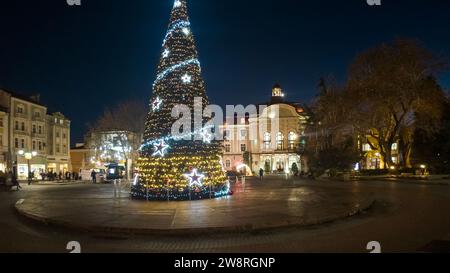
171,168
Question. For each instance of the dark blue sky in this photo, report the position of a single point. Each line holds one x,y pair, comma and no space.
82,59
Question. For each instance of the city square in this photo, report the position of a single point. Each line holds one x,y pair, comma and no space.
102,218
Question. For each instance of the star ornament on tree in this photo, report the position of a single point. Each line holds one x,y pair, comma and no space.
160,148
186,78
166,53
206,136
156,105
195,178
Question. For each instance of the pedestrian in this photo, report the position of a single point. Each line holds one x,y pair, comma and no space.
94,176
14,181
30,177
261,174
60,176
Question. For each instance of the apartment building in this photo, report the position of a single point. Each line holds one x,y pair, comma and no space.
32,139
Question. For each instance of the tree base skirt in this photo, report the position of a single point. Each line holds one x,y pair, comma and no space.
139,193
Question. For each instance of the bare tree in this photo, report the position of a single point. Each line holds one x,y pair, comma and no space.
387,87
125,126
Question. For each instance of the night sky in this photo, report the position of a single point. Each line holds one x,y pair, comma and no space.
83,59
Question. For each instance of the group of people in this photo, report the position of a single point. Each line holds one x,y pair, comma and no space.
53,176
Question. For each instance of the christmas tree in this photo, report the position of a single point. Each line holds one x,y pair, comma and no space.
172,167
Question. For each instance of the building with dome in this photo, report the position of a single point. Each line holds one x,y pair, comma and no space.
276,144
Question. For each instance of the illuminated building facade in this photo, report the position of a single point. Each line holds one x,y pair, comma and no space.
275,149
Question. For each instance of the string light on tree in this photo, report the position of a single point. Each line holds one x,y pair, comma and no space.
160,148
195,178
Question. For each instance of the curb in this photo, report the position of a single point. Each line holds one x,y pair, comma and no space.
193,231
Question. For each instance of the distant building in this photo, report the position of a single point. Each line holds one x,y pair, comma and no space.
273,151
26,128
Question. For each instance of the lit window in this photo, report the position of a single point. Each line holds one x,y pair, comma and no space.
366,148
267,140
243,134
394,146
292,138
226,135
228,163
280,141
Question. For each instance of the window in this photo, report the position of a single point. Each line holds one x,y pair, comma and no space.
292,138
1,141
61,121
228,163
57,134
243,134
64,135
17,125
228,148
16,143
34,128
226,135
267,140
40,146
22,141
57,149
23,126
280,141
64,148
37,114
243,148
366,148
40,129
20,109
1,122
394,146
34,145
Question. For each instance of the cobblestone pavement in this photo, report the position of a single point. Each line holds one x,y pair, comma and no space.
405,217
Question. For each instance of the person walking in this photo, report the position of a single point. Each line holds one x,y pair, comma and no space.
30,177
14,181
261,174
94,176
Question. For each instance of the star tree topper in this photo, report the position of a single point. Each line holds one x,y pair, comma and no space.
195,178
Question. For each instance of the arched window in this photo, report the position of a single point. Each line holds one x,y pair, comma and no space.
280,141
267,139
292,138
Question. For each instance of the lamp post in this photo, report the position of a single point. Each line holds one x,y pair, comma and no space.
28,156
